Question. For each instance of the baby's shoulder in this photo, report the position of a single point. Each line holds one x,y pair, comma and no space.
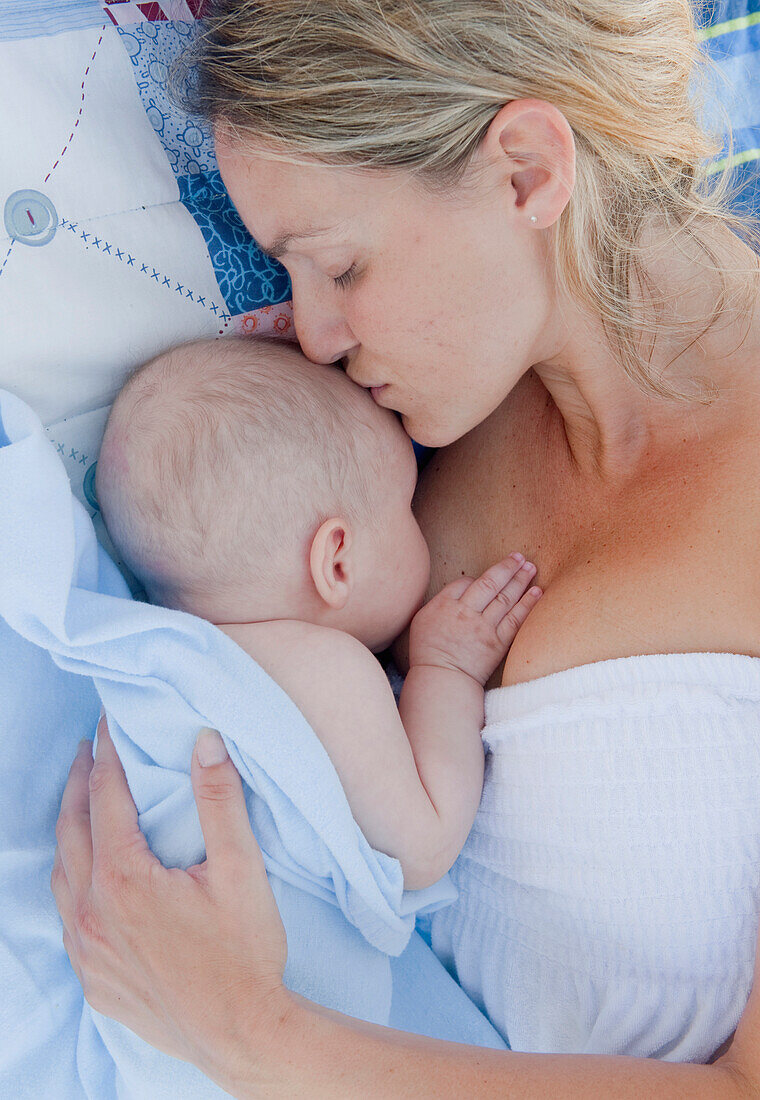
329,675
291,643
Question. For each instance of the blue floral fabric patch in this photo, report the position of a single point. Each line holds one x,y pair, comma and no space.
153,49
247,278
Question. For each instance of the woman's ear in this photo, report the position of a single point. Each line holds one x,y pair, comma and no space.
539,147
331,562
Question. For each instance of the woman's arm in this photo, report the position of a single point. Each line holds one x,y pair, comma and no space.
193,961
324,1055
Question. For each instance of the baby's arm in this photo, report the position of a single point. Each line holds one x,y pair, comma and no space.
455,643
413,788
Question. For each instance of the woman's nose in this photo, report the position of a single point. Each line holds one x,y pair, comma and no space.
323,333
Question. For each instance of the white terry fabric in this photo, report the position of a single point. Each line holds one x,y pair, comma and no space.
608,892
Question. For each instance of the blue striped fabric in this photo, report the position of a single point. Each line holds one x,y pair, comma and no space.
714,14
730,34
33,18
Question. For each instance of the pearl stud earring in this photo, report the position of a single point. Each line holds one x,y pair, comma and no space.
533,218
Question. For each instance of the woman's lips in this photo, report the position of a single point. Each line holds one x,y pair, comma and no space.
377,390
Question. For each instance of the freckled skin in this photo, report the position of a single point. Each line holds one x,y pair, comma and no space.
619,567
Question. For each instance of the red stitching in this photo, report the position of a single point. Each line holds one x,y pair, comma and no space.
81,106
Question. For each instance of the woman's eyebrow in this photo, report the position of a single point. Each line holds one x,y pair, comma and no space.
280,245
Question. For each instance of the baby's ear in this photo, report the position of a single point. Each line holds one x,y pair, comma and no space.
331,562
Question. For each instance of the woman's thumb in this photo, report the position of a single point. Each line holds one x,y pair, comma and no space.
221,804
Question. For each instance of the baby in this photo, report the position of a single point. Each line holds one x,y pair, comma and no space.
246,485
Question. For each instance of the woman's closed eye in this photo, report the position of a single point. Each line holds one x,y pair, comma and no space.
345,280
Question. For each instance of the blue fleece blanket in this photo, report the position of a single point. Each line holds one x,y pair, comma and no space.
71,634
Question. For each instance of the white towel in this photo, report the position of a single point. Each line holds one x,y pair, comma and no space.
608,893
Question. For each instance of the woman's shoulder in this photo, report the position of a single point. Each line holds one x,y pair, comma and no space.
677,570
668,562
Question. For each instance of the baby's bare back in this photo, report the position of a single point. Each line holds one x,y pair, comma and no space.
343,693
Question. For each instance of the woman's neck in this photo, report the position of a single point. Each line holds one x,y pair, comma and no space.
612,427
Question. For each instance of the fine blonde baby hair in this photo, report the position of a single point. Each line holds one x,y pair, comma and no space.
414,85
219,460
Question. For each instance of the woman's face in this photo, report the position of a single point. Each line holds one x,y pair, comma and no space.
444,301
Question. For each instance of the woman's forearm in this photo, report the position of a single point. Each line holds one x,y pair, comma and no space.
317,1053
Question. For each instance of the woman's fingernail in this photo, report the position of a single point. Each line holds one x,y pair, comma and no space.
210,748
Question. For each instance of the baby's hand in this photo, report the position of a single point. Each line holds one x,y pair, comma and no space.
470,624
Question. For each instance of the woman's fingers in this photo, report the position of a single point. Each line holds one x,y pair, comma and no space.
115,830
59,885
234,870
136,931
74,851
221,808
70,950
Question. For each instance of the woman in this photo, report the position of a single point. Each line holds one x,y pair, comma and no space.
598,409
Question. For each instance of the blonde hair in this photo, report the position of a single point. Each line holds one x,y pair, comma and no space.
220,459
407,84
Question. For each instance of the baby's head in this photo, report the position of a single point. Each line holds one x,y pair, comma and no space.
242,483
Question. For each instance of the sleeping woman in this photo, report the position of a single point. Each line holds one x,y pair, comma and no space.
498,217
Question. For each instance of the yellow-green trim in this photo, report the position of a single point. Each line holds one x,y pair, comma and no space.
734,161
730,25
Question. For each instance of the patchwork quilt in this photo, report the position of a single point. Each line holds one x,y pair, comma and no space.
118,238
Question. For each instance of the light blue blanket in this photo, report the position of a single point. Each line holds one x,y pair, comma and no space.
70,633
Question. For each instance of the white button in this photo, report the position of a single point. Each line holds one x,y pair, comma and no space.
30,218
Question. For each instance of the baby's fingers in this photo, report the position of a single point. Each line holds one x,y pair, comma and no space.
454,589
505,600
492,583
516,615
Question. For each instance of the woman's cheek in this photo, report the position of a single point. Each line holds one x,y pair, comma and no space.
384,313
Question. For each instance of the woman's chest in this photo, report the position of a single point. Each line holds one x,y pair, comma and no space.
668,564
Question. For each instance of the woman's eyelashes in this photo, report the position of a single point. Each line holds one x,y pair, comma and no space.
345,280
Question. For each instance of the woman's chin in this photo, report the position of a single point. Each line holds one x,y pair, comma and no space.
428,435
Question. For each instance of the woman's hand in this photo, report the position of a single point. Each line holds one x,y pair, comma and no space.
142,938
